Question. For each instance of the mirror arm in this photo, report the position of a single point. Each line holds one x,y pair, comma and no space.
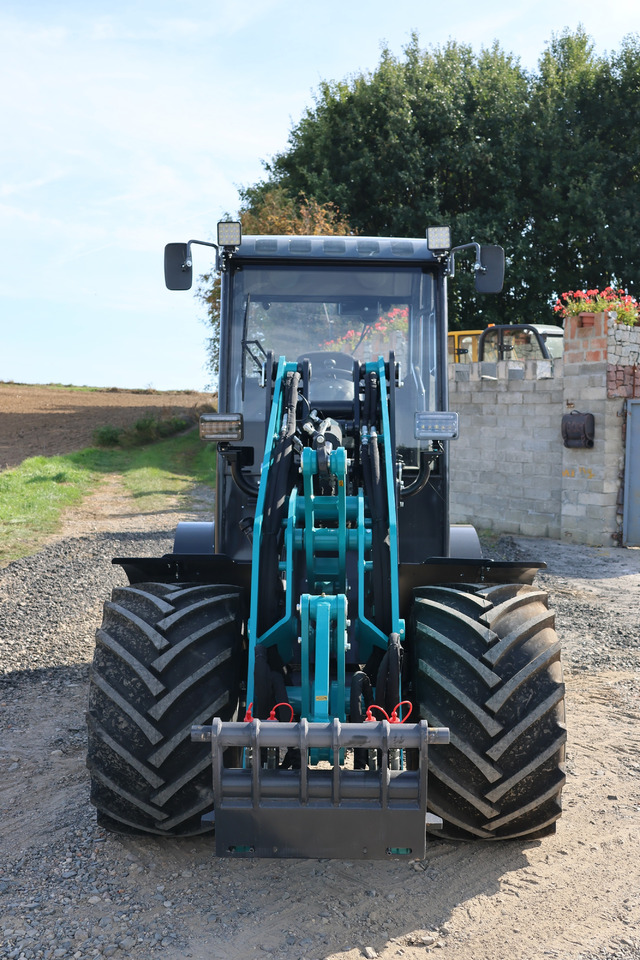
188,263
451,265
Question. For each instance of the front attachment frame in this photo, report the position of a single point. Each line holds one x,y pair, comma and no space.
308,812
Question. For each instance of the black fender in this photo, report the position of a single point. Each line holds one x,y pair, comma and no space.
194,537
464,541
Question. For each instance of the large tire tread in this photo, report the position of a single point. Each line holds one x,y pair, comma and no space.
487,665
167,656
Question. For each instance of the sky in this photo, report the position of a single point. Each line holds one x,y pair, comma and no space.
128,125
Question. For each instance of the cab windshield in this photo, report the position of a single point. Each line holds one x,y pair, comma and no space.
334,315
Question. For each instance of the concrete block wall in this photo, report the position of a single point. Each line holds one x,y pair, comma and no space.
510,471
506,465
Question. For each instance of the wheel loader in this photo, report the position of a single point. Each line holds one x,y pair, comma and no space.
329,668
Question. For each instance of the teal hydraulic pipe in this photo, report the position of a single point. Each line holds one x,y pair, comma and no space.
273,428
397,625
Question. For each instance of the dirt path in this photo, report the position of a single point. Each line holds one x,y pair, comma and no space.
575,895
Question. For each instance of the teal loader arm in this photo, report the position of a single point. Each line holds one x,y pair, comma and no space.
324,613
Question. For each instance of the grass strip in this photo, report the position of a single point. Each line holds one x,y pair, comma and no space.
34,495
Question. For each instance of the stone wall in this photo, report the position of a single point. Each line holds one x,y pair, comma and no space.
510,471
623,360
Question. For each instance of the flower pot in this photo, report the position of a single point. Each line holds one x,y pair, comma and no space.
586,319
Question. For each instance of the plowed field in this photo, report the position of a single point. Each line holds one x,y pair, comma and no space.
47,420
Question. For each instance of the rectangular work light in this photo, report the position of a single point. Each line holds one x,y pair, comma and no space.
436,426
439,239
221,426
229,233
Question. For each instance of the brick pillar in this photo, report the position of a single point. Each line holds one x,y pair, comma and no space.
585,338
590,476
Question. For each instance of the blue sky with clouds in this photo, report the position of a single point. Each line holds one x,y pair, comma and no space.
128,125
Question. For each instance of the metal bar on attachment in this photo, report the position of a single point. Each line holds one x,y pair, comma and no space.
256,763
216,756
384,766
336,762
369,735
304,759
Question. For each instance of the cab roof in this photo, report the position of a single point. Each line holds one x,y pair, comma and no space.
412,249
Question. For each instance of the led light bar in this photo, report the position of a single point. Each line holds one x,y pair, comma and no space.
436,426
229,233
221,426
439,238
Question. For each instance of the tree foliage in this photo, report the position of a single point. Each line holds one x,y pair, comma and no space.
583,170
547,164
274,212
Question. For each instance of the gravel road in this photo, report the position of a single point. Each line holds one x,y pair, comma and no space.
68,890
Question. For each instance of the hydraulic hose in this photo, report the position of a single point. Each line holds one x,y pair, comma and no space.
421,480
279,484
360,690
376,492
389,673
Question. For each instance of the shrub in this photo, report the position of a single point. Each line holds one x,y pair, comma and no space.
107,436
149,429
145,430
166,428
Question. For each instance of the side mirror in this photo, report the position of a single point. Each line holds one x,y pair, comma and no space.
491,278
178,271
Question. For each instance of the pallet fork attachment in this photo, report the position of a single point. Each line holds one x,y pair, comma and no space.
311,812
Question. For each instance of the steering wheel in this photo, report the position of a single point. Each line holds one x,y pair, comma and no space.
331,375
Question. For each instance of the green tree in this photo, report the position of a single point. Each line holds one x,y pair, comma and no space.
583,166
430,138
546,164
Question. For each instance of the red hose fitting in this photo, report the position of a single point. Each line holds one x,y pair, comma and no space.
272,715
394,718
374,706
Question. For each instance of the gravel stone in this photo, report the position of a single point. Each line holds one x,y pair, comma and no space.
69,890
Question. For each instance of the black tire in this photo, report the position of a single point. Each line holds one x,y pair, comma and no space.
487,665
167,657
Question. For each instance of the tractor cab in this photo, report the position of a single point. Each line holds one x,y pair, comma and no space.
338,303
335,306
